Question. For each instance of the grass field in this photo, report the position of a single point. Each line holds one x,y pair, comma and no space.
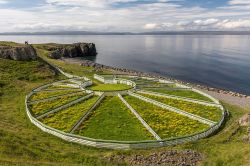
65,119
22,143
208,112
110,87
166,124
182,93
113,121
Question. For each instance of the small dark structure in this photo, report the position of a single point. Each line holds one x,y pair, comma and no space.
26,43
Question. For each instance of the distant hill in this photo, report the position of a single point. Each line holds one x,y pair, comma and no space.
66,33
131,33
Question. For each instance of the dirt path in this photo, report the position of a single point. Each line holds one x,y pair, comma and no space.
234,100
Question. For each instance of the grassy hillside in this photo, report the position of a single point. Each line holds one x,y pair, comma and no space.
21,143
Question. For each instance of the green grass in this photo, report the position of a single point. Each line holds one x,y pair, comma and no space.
166,124
47,94
182,93
65,119
4,43
75,69
110,87
113,121
208,112
44,106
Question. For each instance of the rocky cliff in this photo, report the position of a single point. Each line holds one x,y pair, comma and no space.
73,50
19,52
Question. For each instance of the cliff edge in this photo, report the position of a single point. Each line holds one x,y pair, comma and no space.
18,52
73,50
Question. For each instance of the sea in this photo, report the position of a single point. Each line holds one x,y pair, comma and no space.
219,61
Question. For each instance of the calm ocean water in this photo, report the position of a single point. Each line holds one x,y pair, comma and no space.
221,61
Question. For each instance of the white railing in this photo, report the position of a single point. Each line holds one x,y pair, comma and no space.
180,98
121,144
118,144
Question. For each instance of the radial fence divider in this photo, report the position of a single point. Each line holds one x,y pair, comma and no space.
53,97
79,122
180,98
67,85
75,81
65,106
140,118
99,78
42,88
57,89
166,88
173,109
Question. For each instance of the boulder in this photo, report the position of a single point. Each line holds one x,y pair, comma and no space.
20,52
74,50
56,54
245,120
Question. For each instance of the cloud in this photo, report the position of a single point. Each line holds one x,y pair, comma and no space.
234,24
3,1
88,3
206,24
150,26
239,2
129,15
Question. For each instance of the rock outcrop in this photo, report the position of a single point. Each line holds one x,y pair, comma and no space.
20,52
74,50
165,158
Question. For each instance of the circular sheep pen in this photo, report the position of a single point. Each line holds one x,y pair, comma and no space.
124,112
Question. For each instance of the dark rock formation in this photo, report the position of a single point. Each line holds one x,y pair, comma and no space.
20,52
74,50
56,54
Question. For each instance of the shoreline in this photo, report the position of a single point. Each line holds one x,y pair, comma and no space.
227,95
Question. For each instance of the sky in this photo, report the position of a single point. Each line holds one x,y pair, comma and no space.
124,15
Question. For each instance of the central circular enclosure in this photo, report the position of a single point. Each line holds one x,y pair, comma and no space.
110,87
122,111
